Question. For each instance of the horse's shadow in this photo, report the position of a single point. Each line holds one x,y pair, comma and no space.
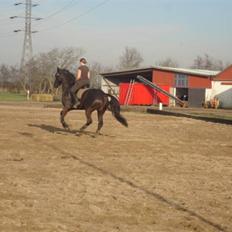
62,131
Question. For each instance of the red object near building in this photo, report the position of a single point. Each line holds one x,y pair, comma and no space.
164,99
140,94
135,94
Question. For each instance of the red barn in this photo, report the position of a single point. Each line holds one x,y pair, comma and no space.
186,84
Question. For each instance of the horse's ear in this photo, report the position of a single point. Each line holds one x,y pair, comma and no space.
58,69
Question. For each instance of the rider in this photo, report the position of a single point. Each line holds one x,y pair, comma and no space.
82,80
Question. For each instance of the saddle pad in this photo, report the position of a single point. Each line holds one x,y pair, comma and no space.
80,92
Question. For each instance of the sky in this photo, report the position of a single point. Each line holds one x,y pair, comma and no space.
158,29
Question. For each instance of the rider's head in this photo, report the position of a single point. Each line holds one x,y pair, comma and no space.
83,61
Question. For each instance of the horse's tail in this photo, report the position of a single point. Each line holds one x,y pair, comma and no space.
114,107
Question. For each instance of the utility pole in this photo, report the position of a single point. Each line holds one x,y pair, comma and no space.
27,51
27,44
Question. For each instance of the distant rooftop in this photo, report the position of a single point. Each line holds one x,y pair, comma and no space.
202,72
177,70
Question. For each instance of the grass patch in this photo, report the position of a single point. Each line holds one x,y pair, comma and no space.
6,96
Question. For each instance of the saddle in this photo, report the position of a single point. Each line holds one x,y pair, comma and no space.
80,92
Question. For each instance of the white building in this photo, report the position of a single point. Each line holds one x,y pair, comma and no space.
222,88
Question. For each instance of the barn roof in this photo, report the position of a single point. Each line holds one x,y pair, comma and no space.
226,74
199,72
128,71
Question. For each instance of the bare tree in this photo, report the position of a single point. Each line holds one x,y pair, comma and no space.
207,62
41,70
4,74
131,58
9,76
168,62
43,66
95,70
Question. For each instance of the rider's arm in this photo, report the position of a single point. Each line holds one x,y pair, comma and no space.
88,74
78,74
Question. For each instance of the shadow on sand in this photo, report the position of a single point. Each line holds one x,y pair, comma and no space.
171,203
62,131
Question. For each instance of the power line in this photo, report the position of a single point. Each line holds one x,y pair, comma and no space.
6,17
5,9
7,35
5,21
71,3
68,21
68,5
77,17
87,12
62,9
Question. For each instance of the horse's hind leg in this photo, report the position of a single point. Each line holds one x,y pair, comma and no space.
100,114
63,112
89,119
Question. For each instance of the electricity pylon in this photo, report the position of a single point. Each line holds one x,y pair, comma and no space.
27,43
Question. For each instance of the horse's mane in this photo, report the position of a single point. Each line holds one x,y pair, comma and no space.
69,77
68,74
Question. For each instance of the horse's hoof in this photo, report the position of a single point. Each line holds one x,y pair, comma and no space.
66,127
98,133
82,129
78,133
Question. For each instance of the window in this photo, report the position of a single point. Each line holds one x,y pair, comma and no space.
181,81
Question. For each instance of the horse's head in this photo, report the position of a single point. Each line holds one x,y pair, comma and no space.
63,76
58,78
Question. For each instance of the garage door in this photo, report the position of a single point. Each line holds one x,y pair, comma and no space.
196,97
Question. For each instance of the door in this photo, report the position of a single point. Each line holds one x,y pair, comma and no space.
196,97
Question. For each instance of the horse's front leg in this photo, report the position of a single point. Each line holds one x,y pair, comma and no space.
63,112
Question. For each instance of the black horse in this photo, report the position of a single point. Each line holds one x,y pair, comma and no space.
91,100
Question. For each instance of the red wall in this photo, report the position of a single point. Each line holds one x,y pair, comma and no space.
168,79
141,95
163,78
225,75
160,97
199,82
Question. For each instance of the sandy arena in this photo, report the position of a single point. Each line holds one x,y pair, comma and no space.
161,174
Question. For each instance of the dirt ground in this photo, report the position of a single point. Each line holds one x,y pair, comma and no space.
163,173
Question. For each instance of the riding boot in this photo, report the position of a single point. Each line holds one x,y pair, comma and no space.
76,104
76,101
